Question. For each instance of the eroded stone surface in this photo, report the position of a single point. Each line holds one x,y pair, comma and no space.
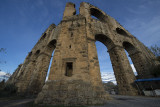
70,92
74,77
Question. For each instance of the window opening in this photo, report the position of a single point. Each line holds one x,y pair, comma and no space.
69,69
37,52
96,14
71,34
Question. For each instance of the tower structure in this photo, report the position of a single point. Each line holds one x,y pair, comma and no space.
74,76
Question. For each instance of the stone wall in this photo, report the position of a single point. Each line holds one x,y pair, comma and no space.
74,77
31,75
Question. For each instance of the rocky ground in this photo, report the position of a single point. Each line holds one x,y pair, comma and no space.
117,101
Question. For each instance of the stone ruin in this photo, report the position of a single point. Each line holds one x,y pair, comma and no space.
74,76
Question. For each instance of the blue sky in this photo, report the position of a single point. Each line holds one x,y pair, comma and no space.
23,21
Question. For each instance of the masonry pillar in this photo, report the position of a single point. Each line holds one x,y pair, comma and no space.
39,74
25,76
94,64
123,71
69,10
140,64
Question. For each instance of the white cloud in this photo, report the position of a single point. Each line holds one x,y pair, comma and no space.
108,76
4,76
145,29
134,69
46,78
2,73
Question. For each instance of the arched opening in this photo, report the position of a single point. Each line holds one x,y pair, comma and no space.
107,74
43,36
49,67
96,14
37,52
50,50
29,55
105,40
130,50
51,45
121,31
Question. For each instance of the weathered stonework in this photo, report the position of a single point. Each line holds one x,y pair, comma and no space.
74,76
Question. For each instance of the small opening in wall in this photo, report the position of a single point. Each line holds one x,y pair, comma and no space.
70,46
30,53
121,31
44,35
97,14
71,34
37,52
69,69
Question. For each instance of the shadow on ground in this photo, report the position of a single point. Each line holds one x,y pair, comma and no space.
117,101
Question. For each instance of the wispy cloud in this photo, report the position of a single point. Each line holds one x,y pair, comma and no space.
108,77
133,11
143,21
146,31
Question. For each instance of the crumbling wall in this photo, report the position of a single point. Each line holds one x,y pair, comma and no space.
75,74
31,75
116,39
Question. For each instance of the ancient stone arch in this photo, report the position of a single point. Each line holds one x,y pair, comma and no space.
74,76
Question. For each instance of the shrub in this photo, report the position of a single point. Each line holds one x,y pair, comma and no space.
11,88
155,71
8,90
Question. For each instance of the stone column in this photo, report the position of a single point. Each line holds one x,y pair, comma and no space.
39,74
123,71
94,69
140,64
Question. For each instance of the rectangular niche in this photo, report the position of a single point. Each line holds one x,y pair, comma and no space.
69,69
69,66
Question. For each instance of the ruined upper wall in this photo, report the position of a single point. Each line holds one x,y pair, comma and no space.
69,10
108,31
104,25
104,29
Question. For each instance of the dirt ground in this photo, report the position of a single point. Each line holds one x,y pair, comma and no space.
117,101
132,101
15,103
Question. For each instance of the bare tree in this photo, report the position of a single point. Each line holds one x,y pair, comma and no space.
156,50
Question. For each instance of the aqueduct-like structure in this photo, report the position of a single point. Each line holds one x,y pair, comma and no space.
74,76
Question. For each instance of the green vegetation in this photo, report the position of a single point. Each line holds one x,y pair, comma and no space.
155,71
